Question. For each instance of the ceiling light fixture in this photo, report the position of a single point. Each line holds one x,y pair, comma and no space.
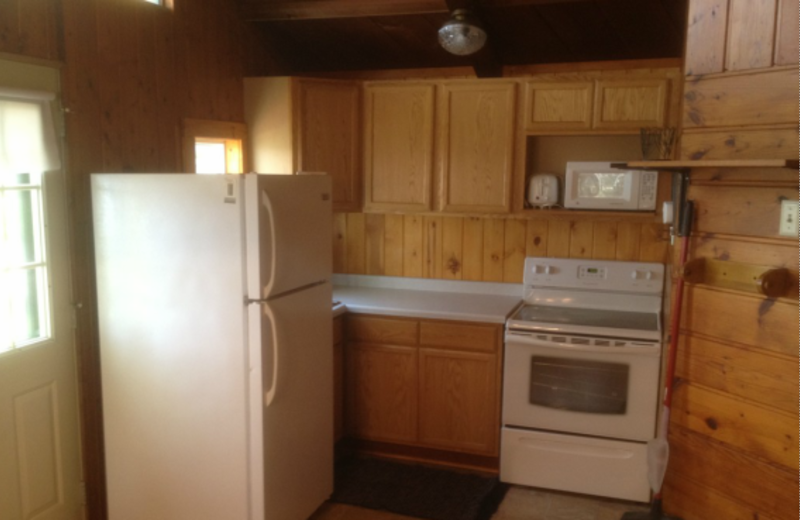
462,34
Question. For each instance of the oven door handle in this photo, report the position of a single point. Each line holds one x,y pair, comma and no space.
644,349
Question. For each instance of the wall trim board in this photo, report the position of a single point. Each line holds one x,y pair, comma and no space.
734,316
704,236
733,73
759,376
766,97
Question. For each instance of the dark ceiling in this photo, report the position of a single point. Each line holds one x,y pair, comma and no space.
305,36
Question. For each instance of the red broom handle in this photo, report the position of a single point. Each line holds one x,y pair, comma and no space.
677,302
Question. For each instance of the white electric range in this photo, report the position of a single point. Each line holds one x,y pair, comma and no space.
581,377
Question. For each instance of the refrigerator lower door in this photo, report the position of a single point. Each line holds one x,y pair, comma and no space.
295,405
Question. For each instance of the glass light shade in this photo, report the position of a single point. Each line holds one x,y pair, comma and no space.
460,35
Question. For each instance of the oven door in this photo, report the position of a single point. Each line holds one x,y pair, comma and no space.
560,383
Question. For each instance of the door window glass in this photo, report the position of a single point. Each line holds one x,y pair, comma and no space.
27,148
24,294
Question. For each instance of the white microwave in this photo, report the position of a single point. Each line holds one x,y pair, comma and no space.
596,185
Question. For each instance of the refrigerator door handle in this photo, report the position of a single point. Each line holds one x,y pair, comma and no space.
267,203
269,395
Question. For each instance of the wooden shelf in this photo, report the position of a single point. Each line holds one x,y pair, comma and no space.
600,214
690,165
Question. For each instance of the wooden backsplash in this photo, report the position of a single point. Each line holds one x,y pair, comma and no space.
485,248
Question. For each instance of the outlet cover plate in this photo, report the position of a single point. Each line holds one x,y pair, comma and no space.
789,216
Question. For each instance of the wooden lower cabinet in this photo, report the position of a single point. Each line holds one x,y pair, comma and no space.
458,396
427,385
383,391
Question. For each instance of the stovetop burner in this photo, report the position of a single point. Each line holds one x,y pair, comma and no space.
569,317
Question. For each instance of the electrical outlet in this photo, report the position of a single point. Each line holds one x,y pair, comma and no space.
789,215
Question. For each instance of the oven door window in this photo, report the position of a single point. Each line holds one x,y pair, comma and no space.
579,386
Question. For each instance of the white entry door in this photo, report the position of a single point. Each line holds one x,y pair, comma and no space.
40,471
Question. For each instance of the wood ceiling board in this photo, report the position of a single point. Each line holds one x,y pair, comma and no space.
645,27
296,50
417,34
677,13
526,37
585,31
521,32
266,10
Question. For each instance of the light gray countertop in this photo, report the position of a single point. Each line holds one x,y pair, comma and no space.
424,298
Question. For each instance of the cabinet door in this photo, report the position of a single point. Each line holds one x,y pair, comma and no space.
477,146
630,104
382,392
327,136
459,396
398,141
558,107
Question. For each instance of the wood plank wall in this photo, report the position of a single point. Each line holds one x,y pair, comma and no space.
491,249
740,95
734,427
31,29
131,73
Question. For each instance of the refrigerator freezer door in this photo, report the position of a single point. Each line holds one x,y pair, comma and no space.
293,233
173,346
296,402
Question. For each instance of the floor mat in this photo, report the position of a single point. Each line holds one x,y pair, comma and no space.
415,490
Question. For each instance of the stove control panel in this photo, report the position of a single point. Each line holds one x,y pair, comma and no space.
588,272
604,275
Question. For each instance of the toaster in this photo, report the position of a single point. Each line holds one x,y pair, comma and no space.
543,190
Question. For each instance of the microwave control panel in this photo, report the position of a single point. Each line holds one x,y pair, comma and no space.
647,190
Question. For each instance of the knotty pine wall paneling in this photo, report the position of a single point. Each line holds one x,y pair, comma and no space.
741,88
734,424
133,71
489,249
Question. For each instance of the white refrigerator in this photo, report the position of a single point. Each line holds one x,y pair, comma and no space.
214,302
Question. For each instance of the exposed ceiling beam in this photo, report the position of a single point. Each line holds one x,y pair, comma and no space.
275,10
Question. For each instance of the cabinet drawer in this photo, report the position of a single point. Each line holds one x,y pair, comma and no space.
459,336
388,331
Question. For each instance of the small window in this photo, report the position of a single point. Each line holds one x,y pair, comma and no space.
157,2
213,147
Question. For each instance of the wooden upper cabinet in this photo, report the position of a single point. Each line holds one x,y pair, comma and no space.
327,134
595,104
630,103
398,146
477,123
307,125
554,107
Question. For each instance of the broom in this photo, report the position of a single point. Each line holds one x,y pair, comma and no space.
658,448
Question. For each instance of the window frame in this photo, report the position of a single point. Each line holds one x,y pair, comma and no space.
229,132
